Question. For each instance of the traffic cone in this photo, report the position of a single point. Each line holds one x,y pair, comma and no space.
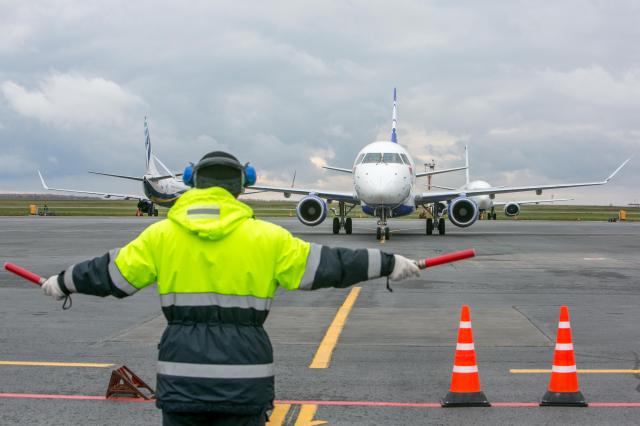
465,380
563,387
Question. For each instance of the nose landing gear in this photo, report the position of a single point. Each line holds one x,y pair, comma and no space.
382,232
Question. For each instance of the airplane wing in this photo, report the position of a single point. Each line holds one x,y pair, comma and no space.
102,194
437,172
432,197
550,200
338,169
347,197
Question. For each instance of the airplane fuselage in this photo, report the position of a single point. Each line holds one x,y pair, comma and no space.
163,192
383,178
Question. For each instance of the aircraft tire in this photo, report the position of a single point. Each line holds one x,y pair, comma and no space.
387,233
495,216
379,233
429,226
441,226
336,225
348,225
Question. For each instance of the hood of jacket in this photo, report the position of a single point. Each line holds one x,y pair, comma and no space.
211,213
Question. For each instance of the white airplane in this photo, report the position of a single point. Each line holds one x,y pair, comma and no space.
384,175
161,188
486,204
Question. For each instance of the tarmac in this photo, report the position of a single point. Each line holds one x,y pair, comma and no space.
393,358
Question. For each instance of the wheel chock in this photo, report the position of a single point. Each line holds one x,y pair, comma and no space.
124,383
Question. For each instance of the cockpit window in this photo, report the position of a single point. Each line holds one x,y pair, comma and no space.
372,157
359,160
405,159
391,157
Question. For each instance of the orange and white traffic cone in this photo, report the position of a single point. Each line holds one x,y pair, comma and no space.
465,380
563,387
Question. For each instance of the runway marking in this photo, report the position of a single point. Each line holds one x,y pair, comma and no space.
317,402
56,364
330,339
595,258
305,418
278,415
586,371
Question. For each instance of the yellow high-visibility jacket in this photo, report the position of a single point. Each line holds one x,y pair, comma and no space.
218,269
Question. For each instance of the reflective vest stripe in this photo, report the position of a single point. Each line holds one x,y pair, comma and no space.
313,262
212,212
68,279
116,276
216,371
375,263
215,299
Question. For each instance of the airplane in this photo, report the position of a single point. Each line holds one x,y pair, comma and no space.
486,204
160,188
384,176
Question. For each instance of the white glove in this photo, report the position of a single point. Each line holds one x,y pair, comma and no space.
404,268
52,288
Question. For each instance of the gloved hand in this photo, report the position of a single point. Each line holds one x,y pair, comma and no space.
404,268
52,288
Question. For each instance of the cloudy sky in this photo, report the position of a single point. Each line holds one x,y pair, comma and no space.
541,92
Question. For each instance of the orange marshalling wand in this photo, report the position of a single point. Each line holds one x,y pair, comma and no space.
465,380
563,387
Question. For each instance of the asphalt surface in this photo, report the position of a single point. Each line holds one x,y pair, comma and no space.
395,347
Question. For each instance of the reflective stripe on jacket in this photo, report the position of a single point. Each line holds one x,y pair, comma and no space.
217,270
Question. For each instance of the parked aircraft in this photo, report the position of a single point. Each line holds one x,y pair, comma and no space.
161,188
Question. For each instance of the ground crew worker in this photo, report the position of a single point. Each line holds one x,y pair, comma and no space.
218,269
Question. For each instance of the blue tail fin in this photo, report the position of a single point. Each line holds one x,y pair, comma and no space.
394,135
147,142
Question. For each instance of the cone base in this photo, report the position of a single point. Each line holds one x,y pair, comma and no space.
563,399
465,399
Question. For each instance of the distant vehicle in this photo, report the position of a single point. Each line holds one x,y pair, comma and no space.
384,175
161,188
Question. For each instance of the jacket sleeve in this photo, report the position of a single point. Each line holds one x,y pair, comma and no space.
121,272
325,266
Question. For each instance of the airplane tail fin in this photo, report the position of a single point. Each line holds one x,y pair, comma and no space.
466,163
394,135
152,169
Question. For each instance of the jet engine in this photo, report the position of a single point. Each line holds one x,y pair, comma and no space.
311,210
511,209
463,212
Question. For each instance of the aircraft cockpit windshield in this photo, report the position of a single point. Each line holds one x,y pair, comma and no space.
387,157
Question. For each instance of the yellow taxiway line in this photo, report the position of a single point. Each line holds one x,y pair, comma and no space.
56,364
325,350
589,371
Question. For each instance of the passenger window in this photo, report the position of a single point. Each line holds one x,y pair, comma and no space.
372,157
392,157
405,159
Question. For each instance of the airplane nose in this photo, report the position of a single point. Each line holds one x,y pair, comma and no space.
386,190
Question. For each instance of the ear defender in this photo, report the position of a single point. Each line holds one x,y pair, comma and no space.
187,175
250,175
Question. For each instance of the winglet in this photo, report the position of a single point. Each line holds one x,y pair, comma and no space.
44,185
394,135
618,169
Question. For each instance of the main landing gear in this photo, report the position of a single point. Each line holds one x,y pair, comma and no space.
439,224
341,221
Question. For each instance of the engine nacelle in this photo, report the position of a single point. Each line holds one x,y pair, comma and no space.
463,212
311,210
511,209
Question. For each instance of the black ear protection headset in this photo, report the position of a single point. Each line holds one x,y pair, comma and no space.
219,158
